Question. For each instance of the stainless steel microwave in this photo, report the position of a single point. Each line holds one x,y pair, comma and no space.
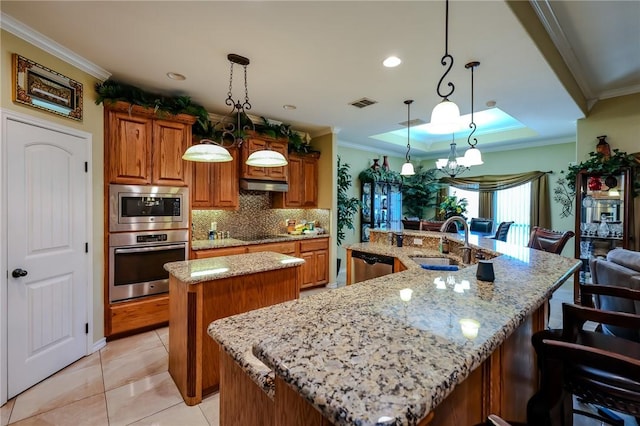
146,208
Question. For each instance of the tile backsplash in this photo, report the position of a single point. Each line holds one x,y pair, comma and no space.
254,218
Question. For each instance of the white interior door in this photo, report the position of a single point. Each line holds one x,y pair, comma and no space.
47,262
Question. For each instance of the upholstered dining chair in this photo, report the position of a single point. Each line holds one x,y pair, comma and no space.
480,224
596,368
502,231
548,240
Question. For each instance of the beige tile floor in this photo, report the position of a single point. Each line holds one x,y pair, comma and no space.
127,383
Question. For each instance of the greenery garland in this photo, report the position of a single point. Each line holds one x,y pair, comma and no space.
379,175
111,91
597,164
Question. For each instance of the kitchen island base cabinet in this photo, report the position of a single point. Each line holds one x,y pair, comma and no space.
242,402
501,385
193,355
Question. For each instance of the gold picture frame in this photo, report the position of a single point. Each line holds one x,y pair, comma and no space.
44,89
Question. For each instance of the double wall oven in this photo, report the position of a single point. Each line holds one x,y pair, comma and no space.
148,227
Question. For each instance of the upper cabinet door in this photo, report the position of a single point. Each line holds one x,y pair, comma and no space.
253,144
129,139
170,141
215,185
310,182
141,149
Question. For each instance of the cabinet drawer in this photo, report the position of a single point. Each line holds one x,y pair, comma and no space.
313,245
225,251
284,248
146,312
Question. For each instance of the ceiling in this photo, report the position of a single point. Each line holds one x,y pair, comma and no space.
322,55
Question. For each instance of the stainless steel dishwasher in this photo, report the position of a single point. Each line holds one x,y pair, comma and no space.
366,266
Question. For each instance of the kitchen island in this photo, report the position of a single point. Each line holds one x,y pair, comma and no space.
201,291
453,351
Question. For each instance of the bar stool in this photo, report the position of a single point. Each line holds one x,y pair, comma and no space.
547,240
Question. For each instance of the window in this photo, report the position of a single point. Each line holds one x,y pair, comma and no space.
514,204
473,206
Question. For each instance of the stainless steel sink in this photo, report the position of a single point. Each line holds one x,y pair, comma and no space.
433,260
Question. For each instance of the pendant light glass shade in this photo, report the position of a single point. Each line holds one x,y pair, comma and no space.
407,169
473,157
445,118
207,152
266,158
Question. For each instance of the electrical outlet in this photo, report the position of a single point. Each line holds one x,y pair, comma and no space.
417,241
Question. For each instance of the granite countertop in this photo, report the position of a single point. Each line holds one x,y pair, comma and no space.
360,353
215,268
233,242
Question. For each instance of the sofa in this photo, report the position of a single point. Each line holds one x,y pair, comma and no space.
621,268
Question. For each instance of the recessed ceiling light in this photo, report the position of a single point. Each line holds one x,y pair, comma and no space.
289,107
391,61
176,76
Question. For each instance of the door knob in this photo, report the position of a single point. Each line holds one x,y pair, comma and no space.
17,273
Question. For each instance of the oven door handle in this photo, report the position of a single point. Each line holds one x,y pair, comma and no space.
147,249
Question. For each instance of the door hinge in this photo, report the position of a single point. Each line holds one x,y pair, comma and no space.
86,247
86,166
86,328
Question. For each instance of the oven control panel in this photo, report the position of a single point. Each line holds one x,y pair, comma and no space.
151,238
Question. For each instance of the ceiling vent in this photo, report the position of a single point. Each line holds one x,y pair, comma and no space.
413,123
364,102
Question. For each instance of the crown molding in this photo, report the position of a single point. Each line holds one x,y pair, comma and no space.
43,42
623,91
550,22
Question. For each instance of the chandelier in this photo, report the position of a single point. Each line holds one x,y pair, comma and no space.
472,156
445,117
452,165
407,167
231,129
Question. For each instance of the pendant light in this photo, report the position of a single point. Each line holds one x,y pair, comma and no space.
232,128
452,165
407,168
472,156
445,117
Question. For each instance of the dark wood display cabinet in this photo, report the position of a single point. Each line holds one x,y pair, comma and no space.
603,218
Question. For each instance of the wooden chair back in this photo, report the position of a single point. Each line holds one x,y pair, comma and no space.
547,240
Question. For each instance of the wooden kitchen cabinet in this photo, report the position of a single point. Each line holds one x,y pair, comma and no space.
303,183
288,247
215,185
259,143
315,270
142,148
218,252
144,313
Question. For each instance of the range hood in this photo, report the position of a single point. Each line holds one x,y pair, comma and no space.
263,185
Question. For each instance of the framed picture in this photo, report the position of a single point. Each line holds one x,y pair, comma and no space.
45,89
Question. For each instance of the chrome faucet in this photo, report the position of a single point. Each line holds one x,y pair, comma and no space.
466,249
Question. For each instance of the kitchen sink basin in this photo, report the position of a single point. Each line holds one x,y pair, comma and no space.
433,260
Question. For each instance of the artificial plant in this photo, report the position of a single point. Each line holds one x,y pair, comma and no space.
419,191
347,206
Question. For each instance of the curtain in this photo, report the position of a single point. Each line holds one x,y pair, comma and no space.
540,205
486,205
487,185
493,182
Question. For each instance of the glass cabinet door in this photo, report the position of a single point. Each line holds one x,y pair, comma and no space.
602,218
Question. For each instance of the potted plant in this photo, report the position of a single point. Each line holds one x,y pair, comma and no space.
347,206
419,192
451,206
